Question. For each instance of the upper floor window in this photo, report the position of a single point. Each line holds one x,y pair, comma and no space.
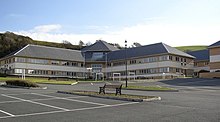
132,61
55,62
177,59
97,55
163,58
20,60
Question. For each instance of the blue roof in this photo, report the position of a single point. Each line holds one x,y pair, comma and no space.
200,54
216,44
101,46
147,50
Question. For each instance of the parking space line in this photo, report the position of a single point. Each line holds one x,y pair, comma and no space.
14,101
6,113
19,94
81,101
36,102
79,109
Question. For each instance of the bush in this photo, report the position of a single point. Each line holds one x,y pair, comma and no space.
3,75
21,83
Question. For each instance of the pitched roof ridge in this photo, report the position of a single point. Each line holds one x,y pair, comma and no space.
165,46
53,47
216,44
21,49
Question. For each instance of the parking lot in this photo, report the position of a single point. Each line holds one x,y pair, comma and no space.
192,103
34,104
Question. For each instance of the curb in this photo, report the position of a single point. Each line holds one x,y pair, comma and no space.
12,86
114,98
75,83
152,90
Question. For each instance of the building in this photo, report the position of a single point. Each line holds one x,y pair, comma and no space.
201,62
207,62
99,60
214,51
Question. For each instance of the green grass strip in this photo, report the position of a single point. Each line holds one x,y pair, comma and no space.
126,96
39,80
156,88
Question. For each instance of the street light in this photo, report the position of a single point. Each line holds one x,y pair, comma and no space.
126,65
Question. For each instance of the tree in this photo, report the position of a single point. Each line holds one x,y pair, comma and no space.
88,43
136,44
67,44
81,43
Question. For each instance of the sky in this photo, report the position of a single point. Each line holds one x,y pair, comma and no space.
174,22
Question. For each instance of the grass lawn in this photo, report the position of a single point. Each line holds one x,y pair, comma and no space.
127,97
39,80
152,88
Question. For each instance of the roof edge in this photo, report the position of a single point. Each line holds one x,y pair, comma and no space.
21,49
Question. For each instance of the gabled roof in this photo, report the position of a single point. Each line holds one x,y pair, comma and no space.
200,55
100,46
216,44
147,50
50,53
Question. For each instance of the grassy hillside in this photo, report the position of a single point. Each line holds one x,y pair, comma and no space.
10,42
192,48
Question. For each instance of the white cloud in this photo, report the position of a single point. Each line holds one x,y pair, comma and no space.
46,28
171,34
15,15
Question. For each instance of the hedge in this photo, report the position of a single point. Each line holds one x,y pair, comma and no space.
24,83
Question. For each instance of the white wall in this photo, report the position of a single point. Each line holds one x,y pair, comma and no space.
47,67
149,65
215,58
197,69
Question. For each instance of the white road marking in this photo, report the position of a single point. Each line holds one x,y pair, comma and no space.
69,99
19,94
36,102
14,101
6,113
79,109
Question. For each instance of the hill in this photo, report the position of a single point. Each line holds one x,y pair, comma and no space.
191,48
10,42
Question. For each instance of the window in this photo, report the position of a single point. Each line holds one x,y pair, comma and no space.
132,61
74,63
96,67
97,55
163,58
21,60
151,59
64,63
171,58
177,59
164,69
18,71
55,62
118,63
37,61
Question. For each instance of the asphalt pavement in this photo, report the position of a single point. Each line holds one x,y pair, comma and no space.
198,100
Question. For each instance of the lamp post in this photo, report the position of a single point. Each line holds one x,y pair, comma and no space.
126,65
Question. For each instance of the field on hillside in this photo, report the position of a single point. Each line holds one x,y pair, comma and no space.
191,48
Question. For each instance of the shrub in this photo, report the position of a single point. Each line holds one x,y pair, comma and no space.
21,83
3,75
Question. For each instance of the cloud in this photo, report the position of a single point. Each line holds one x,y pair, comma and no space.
46,28
171,34
14,15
